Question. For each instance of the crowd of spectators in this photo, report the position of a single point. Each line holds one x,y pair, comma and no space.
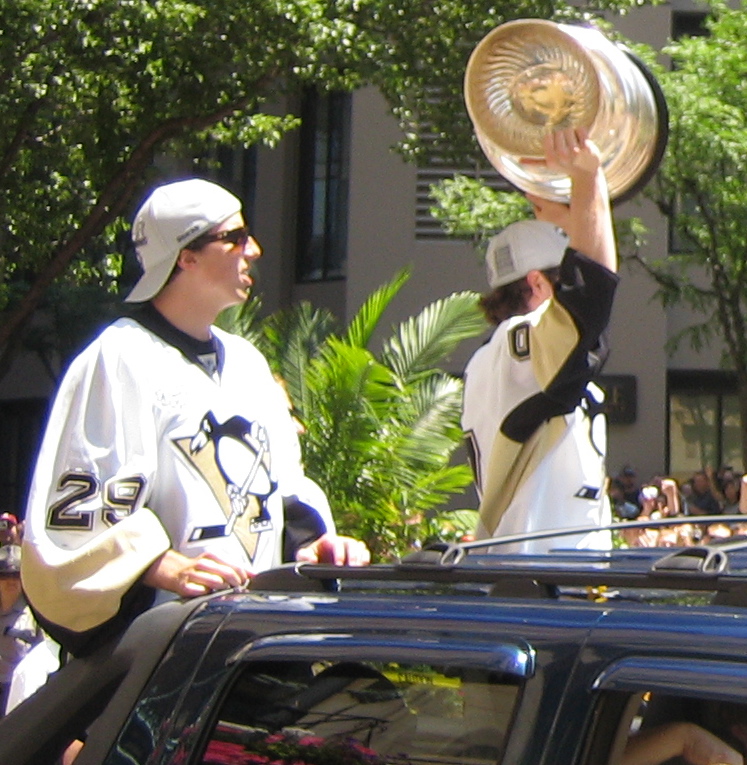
707,492
19,632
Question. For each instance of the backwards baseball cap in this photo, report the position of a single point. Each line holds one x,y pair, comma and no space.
523,247
169,219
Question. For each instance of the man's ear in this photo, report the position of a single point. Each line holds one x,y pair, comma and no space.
186,259
535,280
540,286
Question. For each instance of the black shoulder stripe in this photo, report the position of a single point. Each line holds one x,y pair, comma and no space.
522,421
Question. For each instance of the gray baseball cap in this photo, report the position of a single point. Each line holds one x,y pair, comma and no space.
172,217
523,247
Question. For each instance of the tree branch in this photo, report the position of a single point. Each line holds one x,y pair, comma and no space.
111,202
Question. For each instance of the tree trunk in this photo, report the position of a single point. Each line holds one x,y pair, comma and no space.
113,200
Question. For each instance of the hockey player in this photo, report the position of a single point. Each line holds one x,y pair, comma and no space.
535,444
170,465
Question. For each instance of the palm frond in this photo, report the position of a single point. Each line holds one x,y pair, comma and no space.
242,319
433,432
290,339
368,316
380,432
422,342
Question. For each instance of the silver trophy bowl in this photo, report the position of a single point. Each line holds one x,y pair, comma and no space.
530,76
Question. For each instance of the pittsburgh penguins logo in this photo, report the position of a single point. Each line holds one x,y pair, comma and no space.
234,458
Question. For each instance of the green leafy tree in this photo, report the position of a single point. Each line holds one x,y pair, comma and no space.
92,90
378,428
702,187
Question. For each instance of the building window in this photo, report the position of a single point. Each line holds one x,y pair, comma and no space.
704,422
21,423
237,171
688,24
685,24
323,186
372,713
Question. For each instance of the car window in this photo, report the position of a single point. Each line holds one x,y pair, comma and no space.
654,728
355,713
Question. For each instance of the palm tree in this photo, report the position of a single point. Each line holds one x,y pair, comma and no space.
379,430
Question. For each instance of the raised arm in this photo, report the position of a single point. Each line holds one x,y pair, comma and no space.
588,218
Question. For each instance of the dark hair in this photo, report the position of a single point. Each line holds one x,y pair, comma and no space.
511,299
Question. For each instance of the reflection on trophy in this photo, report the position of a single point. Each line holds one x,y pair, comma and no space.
530,76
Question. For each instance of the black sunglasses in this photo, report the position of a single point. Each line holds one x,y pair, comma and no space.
236,237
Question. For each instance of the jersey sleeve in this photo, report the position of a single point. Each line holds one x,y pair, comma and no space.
586,290
89,533
565,340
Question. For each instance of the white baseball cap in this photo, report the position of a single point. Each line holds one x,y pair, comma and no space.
523,247
170,218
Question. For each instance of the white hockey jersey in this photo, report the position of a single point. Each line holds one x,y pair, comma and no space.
144,451
535,433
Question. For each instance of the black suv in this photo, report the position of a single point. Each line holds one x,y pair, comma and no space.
450,657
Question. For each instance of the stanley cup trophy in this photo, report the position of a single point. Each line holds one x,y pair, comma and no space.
530,76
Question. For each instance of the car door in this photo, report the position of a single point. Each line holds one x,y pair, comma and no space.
333,680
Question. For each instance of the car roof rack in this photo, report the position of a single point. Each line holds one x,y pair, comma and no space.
720,569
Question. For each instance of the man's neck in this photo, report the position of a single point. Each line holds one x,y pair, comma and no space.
191,318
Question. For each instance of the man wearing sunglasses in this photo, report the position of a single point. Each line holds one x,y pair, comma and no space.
171,465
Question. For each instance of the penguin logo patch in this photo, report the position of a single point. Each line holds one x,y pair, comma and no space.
234,459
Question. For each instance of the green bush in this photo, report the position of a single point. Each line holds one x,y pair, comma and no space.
379,429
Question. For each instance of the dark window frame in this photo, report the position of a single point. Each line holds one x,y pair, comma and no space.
323,186
717,383
22,423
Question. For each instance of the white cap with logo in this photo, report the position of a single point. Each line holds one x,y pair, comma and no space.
170,218
522,247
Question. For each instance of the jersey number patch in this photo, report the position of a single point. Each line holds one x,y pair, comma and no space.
118,500
519,341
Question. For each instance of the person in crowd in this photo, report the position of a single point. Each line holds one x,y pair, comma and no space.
660,498
701,500
170,465
19,632
531,413
11,530
622,508
631,487
651,500
726,486
669,505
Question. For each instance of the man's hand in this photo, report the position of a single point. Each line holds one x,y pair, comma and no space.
570,151
588,219
330,548
549,211
190,577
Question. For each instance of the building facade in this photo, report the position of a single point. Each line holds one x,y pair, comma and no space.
338,213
